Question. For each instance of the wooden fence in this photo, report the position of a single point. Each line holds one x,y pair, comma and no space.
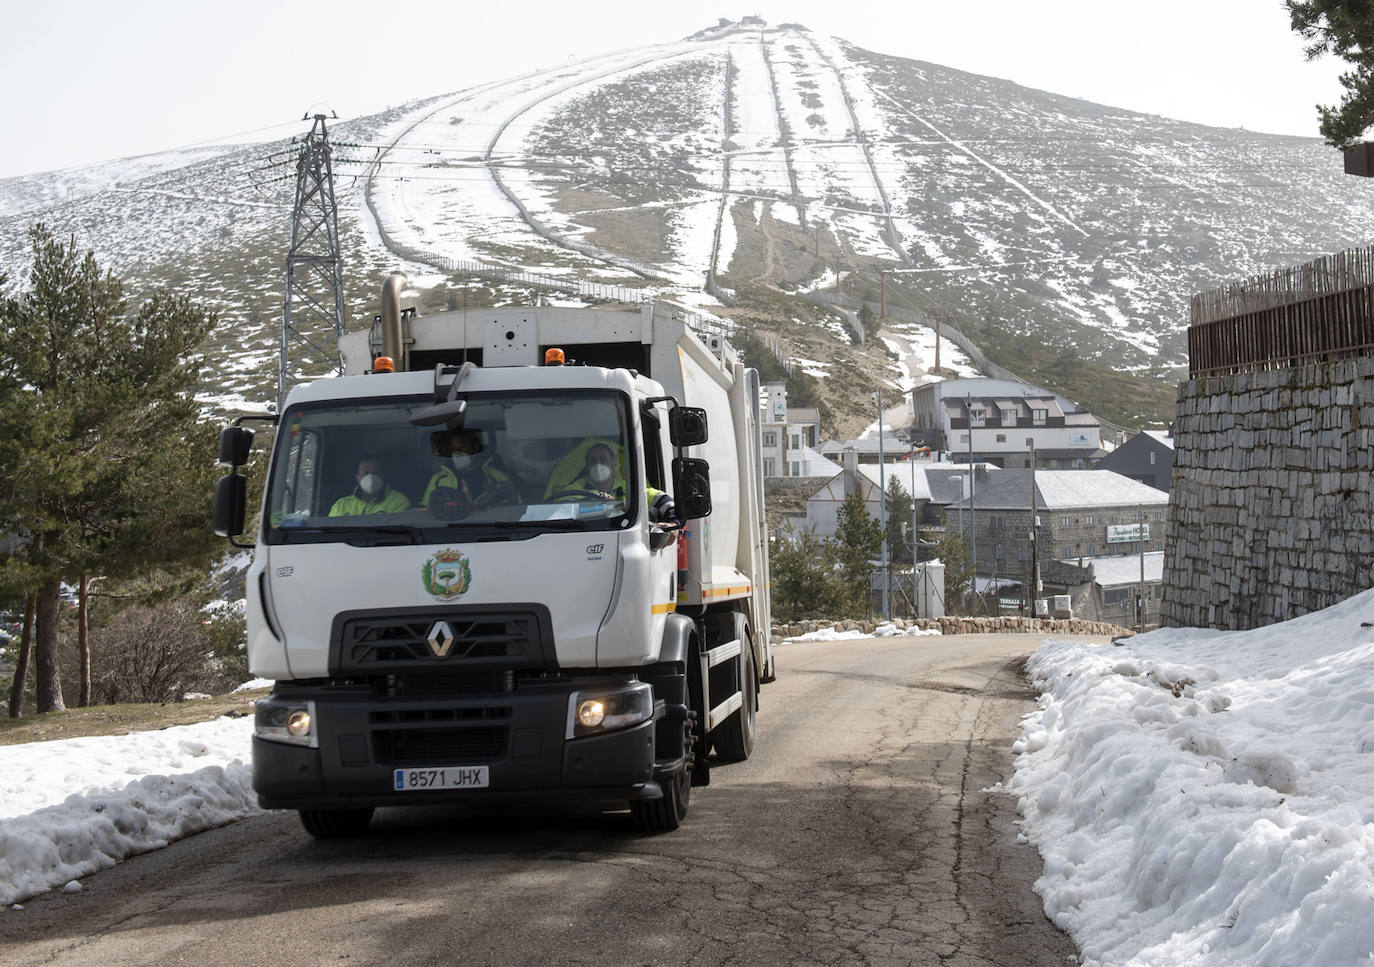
1320,310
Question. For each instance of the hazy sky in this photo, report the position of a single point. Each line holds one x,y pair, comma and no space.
83,81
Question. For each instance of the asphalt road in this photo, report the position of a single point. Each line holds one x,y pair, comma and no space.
863,830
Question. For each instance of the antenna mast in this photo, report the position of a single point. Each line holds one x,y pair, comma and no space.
312,317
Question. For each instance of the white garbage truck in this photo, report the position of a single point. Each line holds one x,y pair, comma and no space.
470,583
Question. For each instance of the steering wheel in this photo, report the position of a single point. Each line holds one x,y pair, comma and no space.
449,503
572,494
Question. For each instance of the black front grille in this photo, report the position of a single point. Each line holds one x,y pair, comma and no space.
439,747
372,643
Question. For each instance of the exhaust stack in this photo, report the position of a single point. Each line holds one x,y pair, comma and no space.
393,343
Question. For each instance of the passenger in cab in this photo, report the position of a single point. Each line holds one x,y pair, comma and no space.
371,495
601,476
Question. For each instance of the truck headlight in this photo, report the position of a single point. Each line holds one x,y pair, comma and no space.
591,711
278,720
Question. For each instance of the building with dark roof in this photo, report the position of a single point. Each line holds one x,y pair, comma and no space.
999,421
1148,457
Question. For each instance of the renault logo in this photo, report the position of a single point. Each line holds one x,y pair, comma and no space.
441,638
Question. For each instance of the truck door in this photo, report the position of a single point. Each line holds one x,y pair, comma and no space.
665,558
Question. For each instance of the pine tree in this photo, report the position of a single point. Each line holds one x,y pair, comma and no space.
805,579
1346,29
860,540
898,522
952,551
108,469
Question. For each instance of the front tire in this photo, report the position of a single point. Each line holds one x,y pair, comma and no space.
666,814
336,823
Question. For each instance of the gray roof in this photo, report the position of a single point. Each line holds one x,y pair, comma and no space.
994,406
1124,569
945,481
891,446
903,471
1080,419
813,464
1062,490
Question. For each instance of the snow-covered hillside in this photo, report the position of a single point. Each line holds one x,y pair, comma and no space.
763,157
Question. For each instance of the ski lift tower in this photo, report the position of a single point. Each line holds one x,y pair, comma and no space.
312,317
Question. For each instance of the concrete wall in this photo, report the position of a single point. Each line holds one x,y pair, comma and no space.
1271,514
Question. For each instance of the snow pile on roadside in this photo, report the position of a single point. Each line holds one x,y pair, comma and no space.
1202,797
69,808
892,631
882,631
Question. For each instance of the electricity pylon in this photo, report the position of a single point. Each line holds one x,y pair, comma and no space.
312,318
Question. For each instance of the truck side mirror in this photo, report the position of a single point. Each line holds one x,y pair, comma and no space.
231,498
687,426
692,487
235,443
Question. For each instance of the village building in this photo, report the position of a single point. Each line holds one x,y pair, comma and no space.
1000,421
1148,457
789,436
1085,523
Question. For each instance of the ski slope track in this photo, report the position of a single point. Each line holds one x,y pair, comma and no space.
410,212
440,222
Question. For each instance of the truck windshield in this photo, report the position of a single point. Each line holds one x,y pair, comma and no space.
357,471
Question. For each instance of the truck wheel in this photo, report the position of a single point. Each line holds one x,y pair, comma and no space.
734,739
336,823
667,814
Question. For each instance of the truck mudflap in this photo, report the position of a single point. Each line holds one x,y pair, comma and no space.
503,748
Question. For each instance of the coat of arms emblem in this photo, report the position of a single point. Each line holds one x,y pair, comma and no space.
447,574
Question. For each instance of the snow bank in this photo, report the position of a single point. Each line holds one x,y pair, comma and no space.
1206,798
69,808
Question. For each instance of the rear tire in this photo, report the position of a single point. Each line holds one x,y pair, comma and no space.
336,823
734,740
666,814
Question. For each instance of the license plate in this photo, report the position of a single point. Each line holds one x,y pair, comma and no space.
443,777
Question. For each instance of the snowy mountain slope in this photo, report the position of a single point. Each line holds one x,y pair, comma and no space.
768,158
1091,223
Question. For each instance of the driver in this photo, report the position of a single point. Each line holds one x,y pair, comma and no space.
477,477
371,495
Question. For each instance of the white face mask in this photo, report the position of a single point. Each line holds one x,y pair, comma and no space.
600,474
371,484
461,461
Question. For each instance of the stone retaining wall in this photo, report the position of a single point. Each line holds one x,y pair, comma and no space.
1270,513
951,625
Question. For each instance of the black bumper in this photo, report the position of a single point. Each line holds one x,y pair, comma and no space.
520,738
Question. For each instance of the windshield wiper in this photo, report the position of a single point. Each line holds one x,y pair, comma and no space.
371,535
558,523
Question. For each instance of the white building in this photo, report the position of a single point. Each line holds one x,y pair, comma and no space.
998,421
789,436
